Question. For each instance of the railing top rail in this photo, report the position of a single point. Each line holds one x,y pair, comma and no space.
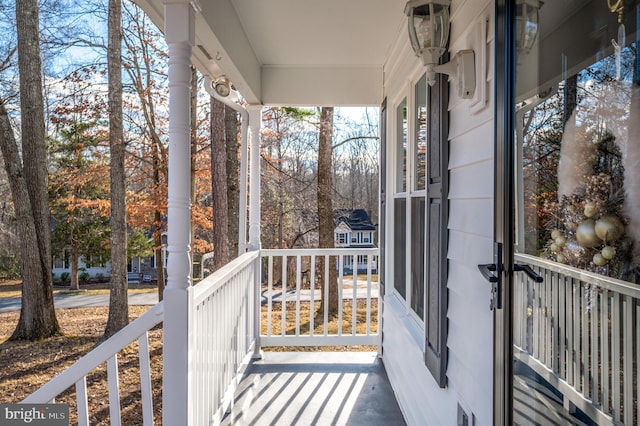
612,284
213,282
98,355
320,251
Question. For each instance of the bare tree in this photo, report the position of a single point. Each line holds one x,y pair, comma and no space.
233,178
28,182
118,302
218,185
325,204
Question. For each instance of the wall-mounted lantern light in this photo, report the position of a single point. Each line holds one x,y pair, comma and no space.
526,24
429,33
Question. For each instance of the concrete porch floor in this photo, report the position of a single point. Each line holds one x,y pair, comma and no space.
315,388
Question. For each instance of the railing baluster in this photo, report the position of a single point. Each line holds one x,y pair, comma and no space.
570,322
637,378
369,278
325,300
562,325
82,402
269,295
312,287
283,309
114,391
555,326
615,356
595,350
548,343
536,319
145,380
517,310
577,315
298,288
584,346
606,382
340,289
354,300
627,341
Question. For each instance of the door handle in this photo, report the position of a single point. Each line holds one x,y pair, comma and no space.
527,270
487,272
492,272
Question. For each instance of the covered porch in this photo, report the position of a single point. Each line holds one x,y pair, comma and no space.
235,313
576,335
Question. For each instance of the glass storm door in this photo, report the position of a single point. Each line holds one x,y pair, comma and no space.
568,213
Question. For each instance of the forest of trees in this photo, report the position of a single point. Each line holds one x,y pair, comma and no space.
83,131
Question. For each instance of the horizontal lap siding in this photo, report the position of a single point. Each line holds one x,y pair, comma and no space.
470,227
421,400
471,176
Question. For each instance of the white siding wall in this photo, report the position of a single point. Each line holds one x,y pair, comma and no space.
470,363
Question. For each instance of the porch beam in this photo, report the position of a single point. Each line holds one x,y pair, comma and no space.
177,383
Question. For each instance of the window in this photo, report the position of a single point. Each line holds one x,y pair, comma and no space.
420,215
417,255
62,261
420,145
401,147
399,245
412,227
341,238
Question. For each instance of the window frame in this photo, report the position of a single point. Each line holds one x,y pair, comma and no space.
411,192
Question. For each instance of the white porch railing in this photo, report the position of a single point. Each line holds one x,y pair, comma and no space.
292,293
107,352
225,325
225,319
225,328
581,332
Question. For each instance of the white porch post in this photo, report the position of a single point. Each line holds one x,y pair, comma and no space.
255,119
177,390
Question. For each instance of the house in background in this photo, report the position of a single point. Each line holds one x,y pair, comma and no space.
96,268
138,268
354,229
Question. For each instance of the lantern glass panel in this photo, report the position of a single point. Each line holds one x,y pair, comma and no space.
526,25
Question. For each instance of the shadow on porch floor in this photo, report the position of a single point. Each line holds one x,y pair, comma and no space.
315,388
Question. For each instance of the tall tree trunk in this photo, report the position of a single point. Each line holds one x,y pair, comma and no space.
37,315
194,153
233,179
118,302
75,257
159,255
325,204
218,181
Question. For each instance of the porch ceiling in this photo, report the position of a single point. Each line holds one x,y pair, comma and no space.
296,52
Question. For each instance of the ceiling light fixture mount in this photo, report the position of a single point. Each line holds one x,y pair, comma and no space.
222,86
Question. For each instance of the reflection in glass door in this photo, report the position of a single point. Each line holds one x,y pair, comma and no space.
576,310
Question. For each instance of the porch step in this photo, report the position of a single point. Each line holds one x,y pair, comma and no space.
315,388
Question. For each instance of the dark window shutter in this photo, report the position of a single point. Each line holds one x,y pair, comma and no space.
435,355
383,201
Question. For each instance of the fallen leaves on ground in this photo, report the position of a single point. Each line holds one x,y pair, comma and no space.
29,365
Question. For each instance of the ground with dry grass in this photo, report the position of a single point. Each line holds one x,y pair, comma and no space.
29,365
